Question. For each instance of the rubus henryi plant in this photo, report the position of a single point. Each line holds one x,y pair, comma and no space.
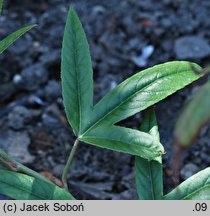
95,124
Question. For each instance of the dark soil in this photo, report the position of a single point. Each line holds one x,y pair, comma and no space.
125,37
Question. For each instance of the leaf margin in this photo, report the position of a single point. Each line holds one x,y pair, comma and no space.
10,39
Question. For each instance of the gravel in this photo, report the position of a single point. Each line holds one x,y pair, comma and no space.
192,47
188,170
16,145
34,128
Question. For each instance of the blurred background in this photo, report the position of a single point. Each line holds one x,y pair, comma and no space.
125,37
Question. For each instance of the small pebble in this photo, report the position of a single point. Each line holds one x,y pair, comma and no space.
188,170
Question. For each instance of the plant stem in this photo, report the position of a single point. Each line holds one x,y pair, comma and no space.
68,163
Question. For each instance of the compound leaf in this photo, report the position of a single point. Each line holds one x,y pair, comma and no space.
148,174
133,95
95,125
76,74
9,40
23,187
197,187
197,112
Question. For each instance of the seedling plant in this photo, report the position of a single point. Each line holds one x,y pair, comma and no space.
96,124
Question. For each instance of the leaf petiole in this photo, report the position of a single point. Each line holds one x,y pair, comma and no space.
69,163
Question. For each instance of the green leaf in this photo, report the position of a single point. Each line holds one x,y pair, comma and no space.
16,166
143,90
125,140
149,179
1,4
76,74
149,123
9,40
23,187
133,95
95,125
197,187
197,112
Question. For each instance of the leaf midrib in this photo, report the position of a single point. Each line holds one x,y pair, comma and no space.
77,74
94,137
151,182
112,110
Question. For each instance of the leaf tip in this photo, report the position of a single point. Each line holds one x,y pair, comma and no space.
72,11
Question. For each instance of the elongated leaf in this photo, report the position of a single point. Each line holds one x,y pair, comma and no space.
149,178
23,187
143,90
96,125
193,117
1,4
197,187
125,140
76,74
9,40
16,166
